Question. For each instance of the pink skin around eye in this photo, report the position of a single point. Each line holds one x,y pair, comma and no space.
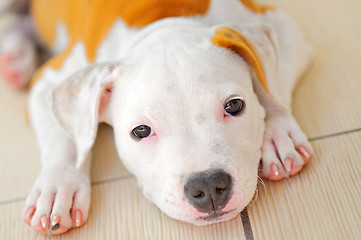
226,117
150,140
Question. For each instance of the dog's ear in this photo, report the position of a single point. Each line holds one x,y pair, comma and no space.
257,45
80,103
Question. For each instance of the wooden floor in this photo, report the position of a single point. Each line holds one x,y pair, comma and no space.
323,202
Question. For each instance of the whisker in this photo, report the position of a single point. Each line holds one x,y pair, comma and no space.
260,180
255,196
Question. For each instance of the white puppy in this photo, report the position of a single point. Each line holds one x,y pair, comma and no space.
195,102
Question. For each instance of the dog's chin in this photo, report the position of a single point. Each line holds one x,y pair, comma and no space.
216,217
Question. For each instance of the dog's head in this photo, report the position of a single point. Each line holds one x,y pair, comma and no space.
186,120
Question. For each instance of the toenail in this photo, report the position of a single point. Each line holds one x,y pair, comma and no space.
55,227
29,212
288,165
55,223
43,221
304,152
77,218
274,169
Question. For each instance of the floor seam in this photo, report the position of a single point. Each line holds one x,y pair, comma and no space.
114,179
247,227
94,183
312,139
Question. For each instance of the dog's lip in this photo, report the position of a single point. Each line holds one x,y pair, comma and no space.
215,216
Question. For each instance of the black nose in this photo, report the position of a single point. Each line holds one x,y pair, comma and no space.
209,191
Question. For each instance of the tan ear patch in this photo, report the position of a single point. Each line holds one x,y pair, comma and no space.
231,39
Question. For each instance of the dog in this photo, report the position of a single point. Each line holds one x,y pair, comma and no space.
198,94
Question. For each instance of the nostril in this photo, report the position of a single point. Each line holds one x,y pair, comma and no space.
220,190
199,195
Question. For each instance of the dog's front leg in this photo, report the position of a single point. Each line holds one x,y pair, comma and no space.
60,197
285,148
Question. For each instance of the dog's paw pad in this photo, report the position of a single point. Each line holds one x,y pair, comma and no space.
285,149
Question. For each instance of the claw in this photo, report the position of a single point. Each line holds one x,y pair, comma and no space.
275,169
55,223
305,154
29,214
44,222
288,165
77,218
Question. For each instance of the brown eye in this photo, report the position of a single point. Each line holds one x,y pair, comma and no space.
234,107
142,131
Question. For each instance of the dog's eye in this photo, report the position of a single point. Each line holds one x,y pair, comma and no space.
142,131
234,107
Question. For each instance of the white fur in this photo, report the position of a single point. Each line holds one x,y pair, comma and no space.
62,38
172,78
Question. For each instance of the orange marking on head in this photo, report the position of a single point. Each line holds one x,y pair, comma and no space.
228,38
255,7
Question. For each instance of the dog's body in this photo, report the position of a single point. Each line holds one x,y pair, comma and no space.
168,76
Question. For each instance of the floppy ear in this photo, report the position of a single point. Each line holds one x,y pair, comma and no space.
257,45
79,104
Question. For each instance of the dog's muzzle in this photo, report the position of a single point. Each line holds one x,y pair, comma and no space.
209,191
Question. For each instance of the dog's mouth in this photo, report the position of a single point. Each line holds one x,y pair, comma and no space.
215,216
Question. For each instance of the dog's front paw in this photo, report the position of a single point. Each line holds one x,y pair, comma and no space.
59,201
285,148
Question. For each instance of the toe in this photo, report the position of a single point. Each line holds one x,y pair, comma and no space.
81,206
305,153
57,226
40,224
292,167
77,217
29,213
30,206
271,165
286,152
275,174
60,215
40,220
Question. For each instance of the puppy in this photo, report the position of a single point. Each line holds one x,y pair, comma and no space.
197,92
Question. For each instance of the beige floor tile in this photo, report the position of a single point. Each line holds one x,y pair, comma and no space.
323,202
328,99
119,211
19,155
106,163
